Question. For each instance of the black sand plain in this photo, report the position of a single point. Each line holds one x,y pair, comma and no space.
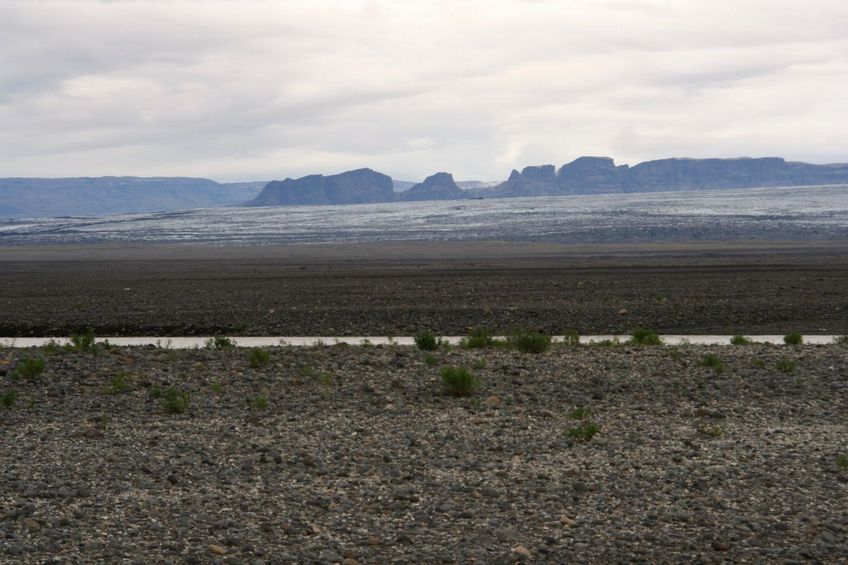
400,288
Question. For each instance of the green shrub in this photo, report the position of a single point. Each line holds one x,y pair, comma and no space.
614,342
712,431
217,388
530,341
427,341
84,342
842,461
258,358
258,403
29,368
571,338
118,384
758,363
740,340
8,398
793,338
584,432
175,400
458,381
841,339
51,348
477,339
785,365
712,361
220,342
642,336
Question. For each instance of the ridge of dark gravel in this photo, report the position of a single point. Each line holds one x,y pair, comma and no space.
359,457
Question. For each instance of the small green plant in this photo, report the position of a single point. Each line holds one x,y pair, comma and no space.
258,403
29,368
584,432
51,348
758,363
118,384
477,338
712,361
841,339
458,381
430,359
614,342
175,400
842,462
785,365
793,338
675,353
571,338
642,336
8,398
220,342
83,342
479,364
530,341
258,358
580,413
217,388
427,341
308,371
741,340
712,431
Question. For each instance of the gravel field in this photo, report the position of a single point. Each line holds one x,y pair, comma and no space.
343,454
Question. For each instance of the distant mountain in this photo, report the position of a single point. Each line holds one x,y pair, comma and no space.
402,185
35,197
362,186
600,175
440,186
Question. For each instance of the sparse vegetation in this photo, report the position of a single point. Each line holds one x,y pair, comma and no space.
218,388
642,336
614,342
8,398
84,342
51,348
258,358
118,384
785,365
841,339
712,361
842,462
29,368
427,341
430,359
530,341
458,381
220,342
258,403
793,338
758,363
741,340
571,338
175,400
479,364
478,338
712,430
584,432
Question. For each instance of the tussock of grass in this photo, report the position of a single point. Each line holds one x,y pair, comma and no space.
712,361
793,338
258,358
29,368
427,341
530,341
740,340
458,381
642,336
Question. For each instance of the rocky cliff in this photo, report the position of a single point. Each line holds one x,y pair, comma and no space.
439,186
362,186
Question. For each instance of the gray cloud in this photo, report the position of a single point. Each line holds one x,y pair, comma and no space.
267,89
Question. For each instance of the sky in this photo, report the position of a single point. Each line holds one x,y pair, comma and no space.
261,90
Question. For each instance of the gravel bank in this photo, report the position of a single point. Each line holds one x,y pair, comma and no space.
355,455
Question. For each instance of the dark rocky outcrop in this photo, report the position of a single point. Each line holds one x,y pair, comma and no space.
439,186
600,175
362,186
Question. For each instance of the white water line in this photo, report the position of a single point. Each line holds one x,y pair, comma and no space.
271,341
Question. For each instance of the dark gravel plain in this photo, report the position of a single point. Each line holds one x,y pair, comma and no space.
342,454
398,289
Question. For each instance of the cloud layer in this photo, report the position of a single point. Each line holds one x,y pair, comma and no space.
268,89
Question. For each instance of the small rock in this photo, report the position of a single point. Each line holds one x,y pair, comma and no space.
217,549
720,546
31,524
330,556
350,561
492,401
522,551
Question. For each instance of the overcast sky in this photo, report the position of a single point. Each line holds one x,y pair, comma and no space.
258,90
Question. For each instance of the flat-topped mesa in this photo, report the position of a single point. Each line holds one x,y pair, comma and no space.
531,181
591,175
362,186
439,186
